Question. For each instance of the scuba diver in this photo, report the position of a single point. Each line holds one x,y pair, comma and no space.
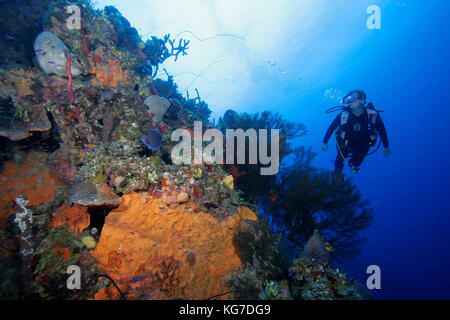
357,128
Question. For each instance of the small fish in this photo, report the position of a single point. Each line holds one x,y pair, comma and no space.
137,279
131,232
291,273
9,37
38,50
4,179
51,62
62,29
152,139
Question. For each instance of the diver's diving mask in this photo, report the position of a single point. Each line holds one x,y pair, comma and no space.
350,98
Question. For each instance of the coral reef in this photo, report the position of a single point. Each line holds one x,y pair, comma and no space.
304,192
258,249
30,176
275,291
104,194
35,121
59,250
316,281
76,217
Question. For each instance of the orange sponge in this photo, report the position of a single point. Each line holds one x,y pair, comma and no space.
155,252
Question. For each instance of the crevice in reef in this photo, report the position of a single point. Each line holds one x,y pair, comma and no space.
97,218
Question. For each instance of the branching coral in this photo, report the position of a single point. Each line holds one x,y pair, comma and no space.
310,199
253,184
157,51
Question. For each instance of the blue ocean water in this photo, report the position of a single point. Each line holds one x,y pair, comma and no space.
403,67
404,70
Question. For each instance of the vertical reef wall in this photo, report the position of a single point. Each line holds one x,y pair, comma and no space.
85,139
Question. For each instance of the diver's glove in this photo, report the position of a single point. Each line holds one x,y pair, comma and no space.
387,152
325,146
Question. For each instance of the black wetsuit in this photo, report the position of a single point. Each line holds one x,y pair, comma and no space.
357,134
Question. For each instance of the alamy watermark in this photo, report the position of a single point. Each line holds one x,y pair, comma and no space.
213,152
374,281
74,21
374,21
74,280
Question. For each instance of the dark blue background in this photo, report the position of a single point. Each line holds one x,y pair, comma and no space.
405,71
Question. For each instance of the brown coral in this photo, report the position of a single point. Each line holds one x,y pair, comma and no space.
76,217
19,80
161,253
94,195
38,122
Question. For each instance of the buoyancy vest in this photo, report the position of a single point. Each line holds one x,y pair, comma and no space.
371,114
